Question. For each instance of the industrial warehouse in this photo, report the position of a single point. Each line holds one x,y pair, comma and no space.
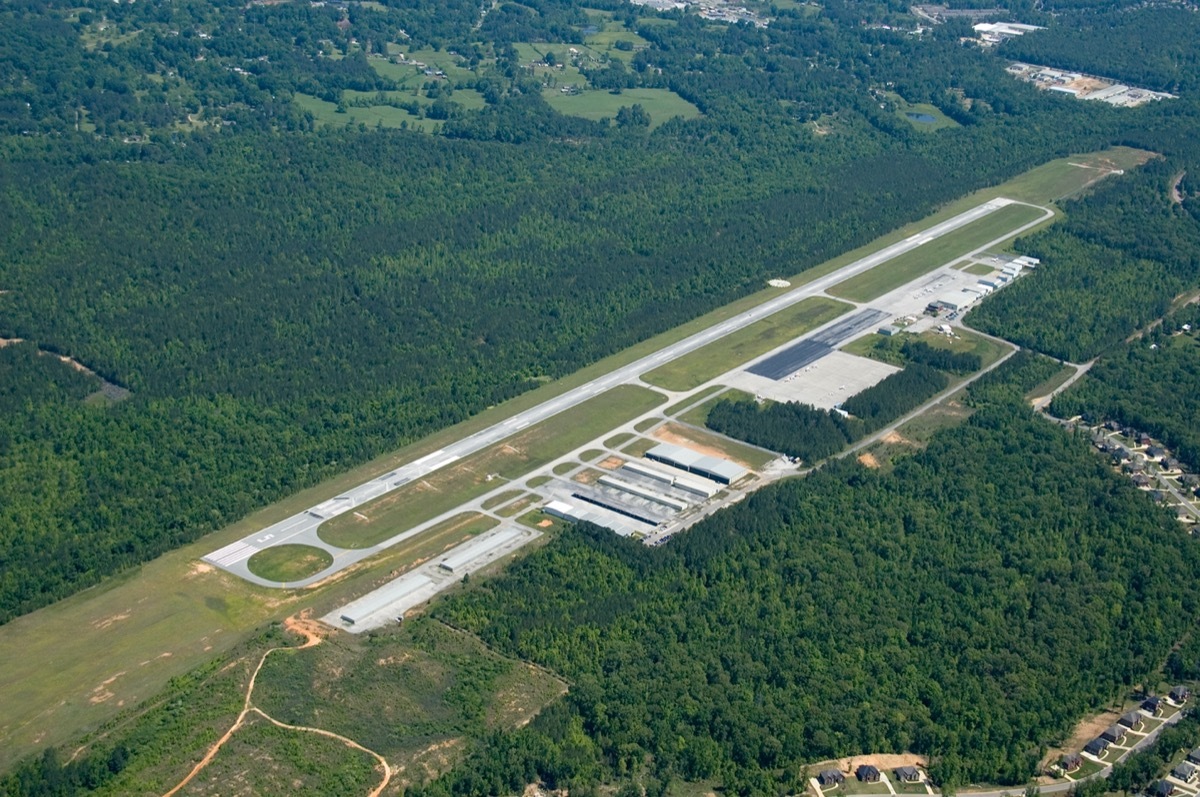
641,496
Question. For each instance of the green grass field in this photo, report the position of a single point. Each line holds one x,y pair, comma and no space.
679,406
694,369
923,109
289,562
889,275
1053,383
697,415
449,487
501,498
326,113
965,341
520,505
661,104
162,619
978,269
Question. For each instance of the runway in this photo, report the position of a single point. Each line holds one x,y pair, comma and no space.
301,528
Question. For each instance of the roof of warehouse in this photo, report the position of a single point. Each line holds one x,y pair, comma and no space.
674,453
478,547
384,596
721,467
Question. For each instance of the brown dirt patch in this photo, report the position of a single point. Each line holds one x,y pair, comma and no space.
869,460
586,477
672,434
105,622
199,568
1087,729
895,439
882,761
302,624
612,463
102,693
545,524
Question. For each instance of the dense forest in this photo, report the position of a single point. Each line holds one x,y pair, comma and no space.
969,605
285,302
803,431
1114,265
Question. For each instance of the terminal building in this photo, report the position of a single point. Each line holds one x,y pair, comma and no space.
719,470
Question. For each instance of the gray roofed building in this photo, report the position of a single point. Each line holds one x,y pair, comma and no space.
831,777
1114,734
908,774
1096,746
1072,762
867,774
1185,772
1132,720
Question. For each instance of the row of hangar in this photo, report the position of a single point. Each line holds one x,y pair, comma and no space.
641,495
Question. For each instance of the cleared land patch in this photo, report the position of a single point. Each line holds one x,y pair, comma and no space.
447,488
289,562
661,104
708,362
899,270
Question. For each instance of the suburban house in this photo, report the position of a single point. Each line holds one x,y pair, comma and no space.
867,774
1152,705
1096,746
1180,694
1162,788
1072,762
1115,734
908,774
831,777
1194,756
1185,772
1132,720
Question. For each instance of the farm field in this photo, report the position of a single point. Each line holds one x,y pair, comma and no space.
896,272
709,362
462,481
661,104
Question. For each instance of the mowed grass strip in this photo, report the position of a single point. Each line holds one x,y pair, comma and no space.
708,362
680,406
889,275
289,562
698,415
462,481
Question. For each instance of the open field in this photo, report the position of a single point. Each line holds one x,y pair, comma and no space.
924,117
325,113
451,486
896,272
661,104
289,562
264,759
978,269
694,369
421,693
677,407
964,341
699,414
164,618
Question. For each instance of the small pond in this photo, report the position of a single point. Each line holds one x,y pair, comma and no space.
923,118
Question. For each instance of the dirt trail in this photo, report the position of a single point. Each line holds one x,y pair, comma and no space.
313,633
1176,194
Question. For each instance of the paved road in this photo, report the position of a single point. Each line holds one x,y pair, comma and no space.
301,528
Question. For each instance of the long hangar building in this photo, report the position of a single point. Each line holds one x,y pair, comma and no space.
719,470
